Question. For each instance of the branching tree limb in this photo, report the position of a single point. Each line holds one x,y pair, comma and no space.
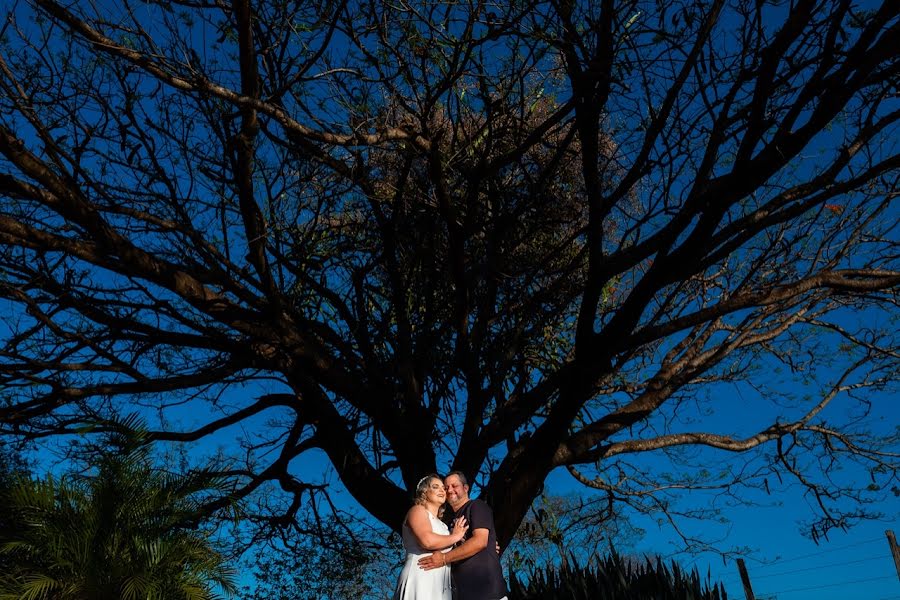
414,237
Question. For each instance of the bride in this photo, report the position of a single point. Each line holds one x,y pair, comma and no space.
424,532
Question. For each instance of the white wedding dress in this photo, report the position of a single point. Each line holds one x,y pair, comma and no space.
416,583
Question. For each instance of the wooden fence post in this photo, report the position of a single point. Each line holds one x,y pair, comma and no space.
745,579
895,550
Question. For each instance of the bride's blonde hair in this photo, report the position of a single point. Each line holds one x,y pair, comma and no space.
422,487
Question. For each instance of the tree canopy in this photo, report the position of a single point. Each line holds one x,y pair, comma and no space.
503,238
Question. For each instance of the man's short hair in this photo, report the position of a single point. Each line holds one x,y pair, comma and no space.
460,474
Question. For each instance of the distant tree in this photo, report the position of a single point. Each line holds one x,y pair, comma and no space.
340,563
13,462
120,533
503,237
560,527
13,467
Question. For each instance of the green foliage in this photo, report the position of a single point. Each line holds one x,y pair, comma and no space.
554,524
613,578
13,466
125,532
336,565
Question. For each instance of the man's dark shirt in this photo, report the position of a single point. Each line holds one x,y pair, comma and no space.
480,576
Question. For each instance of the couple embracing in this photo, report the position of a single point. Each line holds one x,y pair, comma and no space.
460,561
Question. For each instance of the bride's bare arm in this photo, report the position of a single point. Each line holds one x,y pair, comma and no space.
420,525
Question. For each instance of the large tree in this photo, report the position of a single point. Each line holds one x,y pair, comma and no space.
502,237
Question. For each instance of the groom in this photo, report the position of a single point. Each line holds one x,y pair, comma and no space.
475,565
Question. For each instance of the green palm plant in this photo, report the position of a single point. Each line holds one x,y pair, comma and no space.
128,532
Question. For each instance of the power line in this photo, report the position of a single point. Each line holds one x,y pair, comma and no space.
827,585
729,580
779,562
821,552
733,578
838,564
